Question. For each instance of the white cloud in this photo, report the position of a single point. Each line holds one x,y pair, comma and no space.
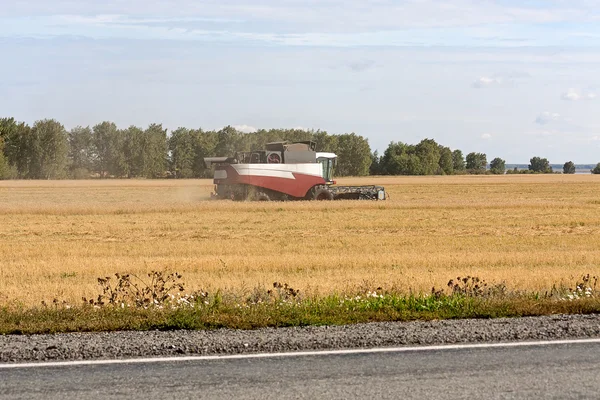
505,79
571,95
486,136
486,81
546,117
577,95
245,128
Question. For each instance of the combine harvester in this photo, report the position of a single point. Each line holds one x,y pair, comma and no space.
284,171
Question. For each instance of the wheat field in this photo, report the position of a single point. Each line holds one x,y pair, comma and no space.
57,237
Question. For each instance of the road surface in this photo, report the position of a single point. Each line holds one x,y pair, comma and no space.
562,370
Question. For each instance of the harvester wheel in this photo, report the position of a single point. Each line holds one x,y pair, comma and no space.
261,196
323,194
237,197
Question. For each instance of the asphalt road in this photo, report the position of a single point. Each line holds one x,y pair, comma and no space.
559,371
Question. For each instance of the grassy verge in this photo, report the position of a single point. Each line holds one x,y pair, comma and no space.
160,302
331,310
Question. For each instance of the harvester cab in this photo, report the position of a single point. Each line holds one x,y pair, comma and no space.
327,161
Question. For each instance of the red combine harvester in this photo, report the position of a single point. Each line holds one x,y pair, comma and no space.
283,171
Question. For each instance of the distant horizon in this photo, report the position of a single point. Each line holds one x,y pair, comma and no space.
579,167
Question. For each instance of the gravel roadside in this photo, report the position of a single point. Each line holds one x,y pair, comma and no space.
79,346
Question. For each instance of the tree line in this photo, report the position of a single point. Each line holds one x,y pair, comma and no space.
430,158
46,150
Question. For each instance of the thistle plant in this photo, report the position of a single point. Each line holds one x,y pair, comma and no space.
155,289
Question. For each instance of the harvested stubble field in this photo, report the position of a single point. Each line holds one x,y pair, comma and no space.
58,237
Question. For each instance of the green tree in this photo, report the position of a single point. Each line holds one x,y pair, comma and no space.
458,162
155,154
134,149
411,164
80,152
296,135
144,151
596,169
569,168
498,166
540,165
48,150
8,128
6,171
426,158
229,142
375,168
354,155
325,142
446,162
4,166
428,152
16,137
395,159
181,145
205,144
476,163
261,137
107,150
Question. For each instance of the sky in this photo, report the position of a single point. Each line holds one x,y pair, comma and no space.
513,79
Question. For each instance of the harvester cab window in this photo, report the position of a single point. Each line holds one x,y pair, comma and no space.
327,165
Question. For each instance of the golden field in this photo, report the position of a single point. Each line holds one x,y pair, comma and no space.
57,237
